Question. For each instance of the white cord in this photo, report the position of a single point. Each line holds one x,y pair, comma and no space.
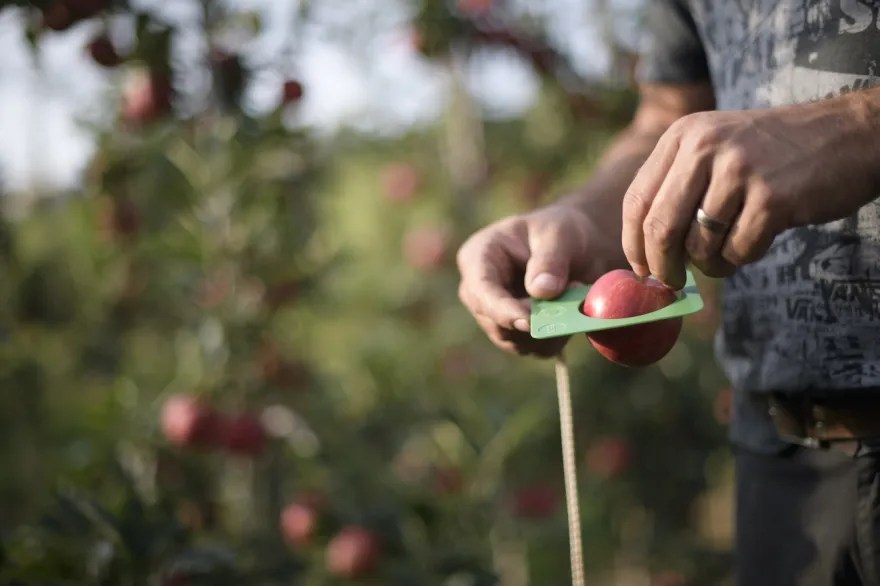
563,389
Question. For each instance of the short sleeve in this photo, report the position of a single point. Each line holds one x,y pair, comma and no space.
674,52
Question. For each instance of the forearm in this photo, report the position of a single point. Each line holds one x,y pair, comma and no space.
660,106
865,106
602,195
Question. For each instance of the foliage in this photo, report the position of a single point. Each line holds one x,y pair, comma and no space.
309,283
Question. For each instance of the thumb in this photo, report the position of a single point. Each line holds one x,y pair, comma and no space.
552,252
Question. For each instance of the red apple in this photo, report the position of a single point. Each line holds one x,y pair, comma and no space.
426,248
188,422
86,8
400,181
293,91
353,553
537,501
620,294
103,52
243,434
58,17
609,457
300,520
146,98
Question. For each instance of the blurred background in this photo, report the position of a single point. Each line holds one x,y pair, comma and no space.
231,348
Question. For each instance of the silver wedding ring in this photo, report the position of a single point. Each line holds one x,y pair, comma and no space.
711,224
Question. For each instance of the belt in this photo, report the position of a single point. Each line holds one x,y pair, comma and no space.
814,423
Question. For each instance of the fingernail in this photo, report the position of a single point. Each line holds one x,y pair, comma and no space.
547,282
521,325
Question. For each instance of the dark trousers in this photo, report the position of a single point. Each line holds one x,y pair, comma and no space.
807,518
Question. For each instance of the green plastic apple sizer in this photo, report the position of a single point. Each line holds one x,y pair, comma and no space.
562,316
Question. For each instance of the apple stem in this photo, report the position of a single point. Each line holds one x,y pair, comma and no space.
563,388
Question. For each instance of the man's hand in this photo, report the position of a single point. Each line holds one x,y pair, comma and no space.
537,254
759,172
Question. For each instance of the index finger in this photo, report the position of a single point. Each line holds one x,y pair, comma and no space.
494,301
486,274
639,198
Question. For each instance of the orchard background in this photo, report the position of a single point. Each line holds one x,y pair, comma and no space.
231,350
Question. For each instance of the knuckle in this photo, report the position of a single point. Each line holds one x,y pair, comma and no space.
771,202
660,233
634,204
698,251
463,295
699,131
706,137
684,124
762,192
464,253
737,163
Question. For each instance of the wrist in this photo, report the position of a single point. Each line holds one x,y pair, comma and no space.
863,108
868,114
592,204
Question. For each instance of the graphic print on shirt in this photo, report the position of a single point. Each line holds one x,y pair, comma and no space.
808,314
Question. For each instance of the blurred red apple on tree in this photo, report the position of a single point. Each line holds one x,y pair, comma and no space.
425,248
608,457
401,181
300,520
620,294
293,91
146,98
187,421
537,501
103,52
353,553
58,17
243,434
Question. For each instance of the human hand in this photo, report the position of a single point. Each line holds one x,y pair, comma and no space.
537,254
757,173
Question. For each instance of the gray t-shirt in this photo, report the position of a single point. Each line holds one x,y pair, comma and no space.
806,317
